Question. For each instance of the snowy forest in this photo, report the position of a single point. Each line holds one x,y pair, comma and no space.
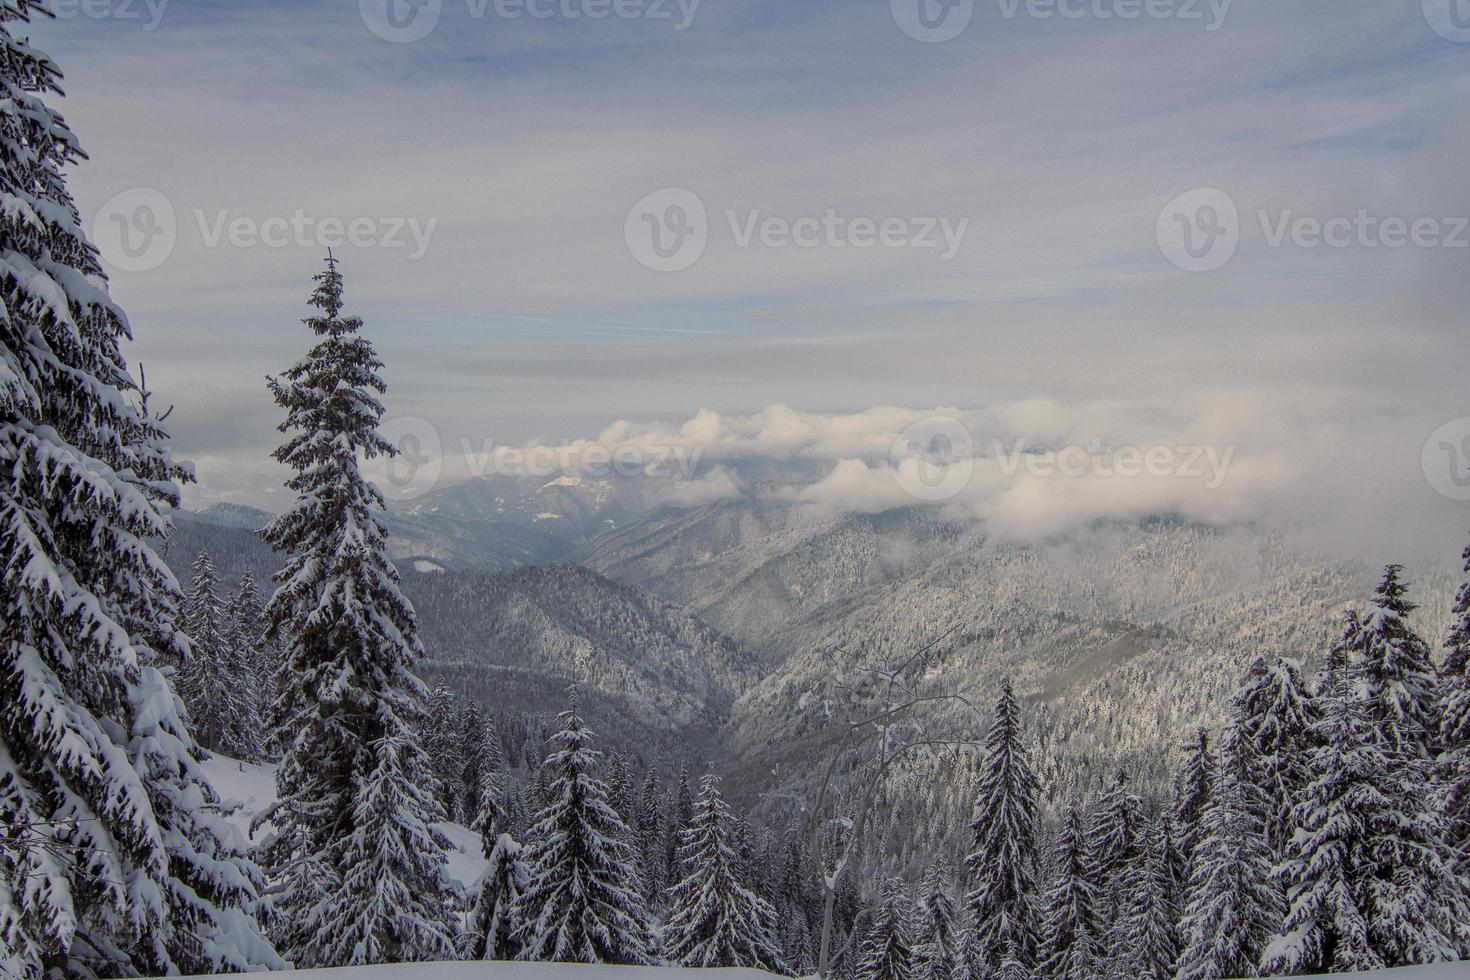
1323,827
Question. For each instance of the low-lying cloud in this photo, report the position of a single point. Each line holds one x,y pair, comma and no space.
1036,468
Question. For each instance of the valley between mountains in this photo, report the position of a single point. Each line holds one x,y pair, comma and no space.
699,633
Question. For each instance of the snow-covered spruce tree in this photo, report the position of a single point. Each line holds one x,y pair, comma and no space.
393,901
1327,864
582,903
493,925
1454,730
351,808
1398,668
1234,905
540,794
471,730
218,681
752,872
244,632
886,951
494,817
714,920
442,745
681,811
113,860
1071,927
1002,859
1011,967
215,681
1192,787
1149,933
650,837
620,794
1275,710
1114,838
1417,907
937,942
206,683
798,949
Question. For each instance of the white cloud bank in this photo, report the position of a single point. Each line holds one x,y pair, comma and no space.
1035,468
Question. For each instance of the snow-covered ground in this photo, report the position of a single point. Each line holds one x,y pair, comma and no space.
253,788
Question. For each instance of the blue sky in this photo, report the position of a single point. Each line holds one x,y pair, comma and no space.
1058,140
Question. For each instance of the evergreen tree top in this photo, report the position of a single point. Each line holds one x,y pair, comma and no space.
204,569
327,297
1392,593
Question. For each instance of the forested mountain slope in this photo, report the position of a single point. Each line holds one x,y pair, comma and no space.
1125,637
658,681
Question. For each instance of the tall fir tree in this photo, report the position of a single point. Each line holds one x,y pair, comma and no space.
937,942
620,793
1454,730
494,816
886,951
714,919
1072,927
442,745
1275,710
395,894
1417,906
1011,967
1192,787
582,902
1234,904
1149,944
1327,862
1396,667
797,946
1002,859
471,730
1114,839
681,812
253,664
115,861
493,927
348,704
216,680
650,836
